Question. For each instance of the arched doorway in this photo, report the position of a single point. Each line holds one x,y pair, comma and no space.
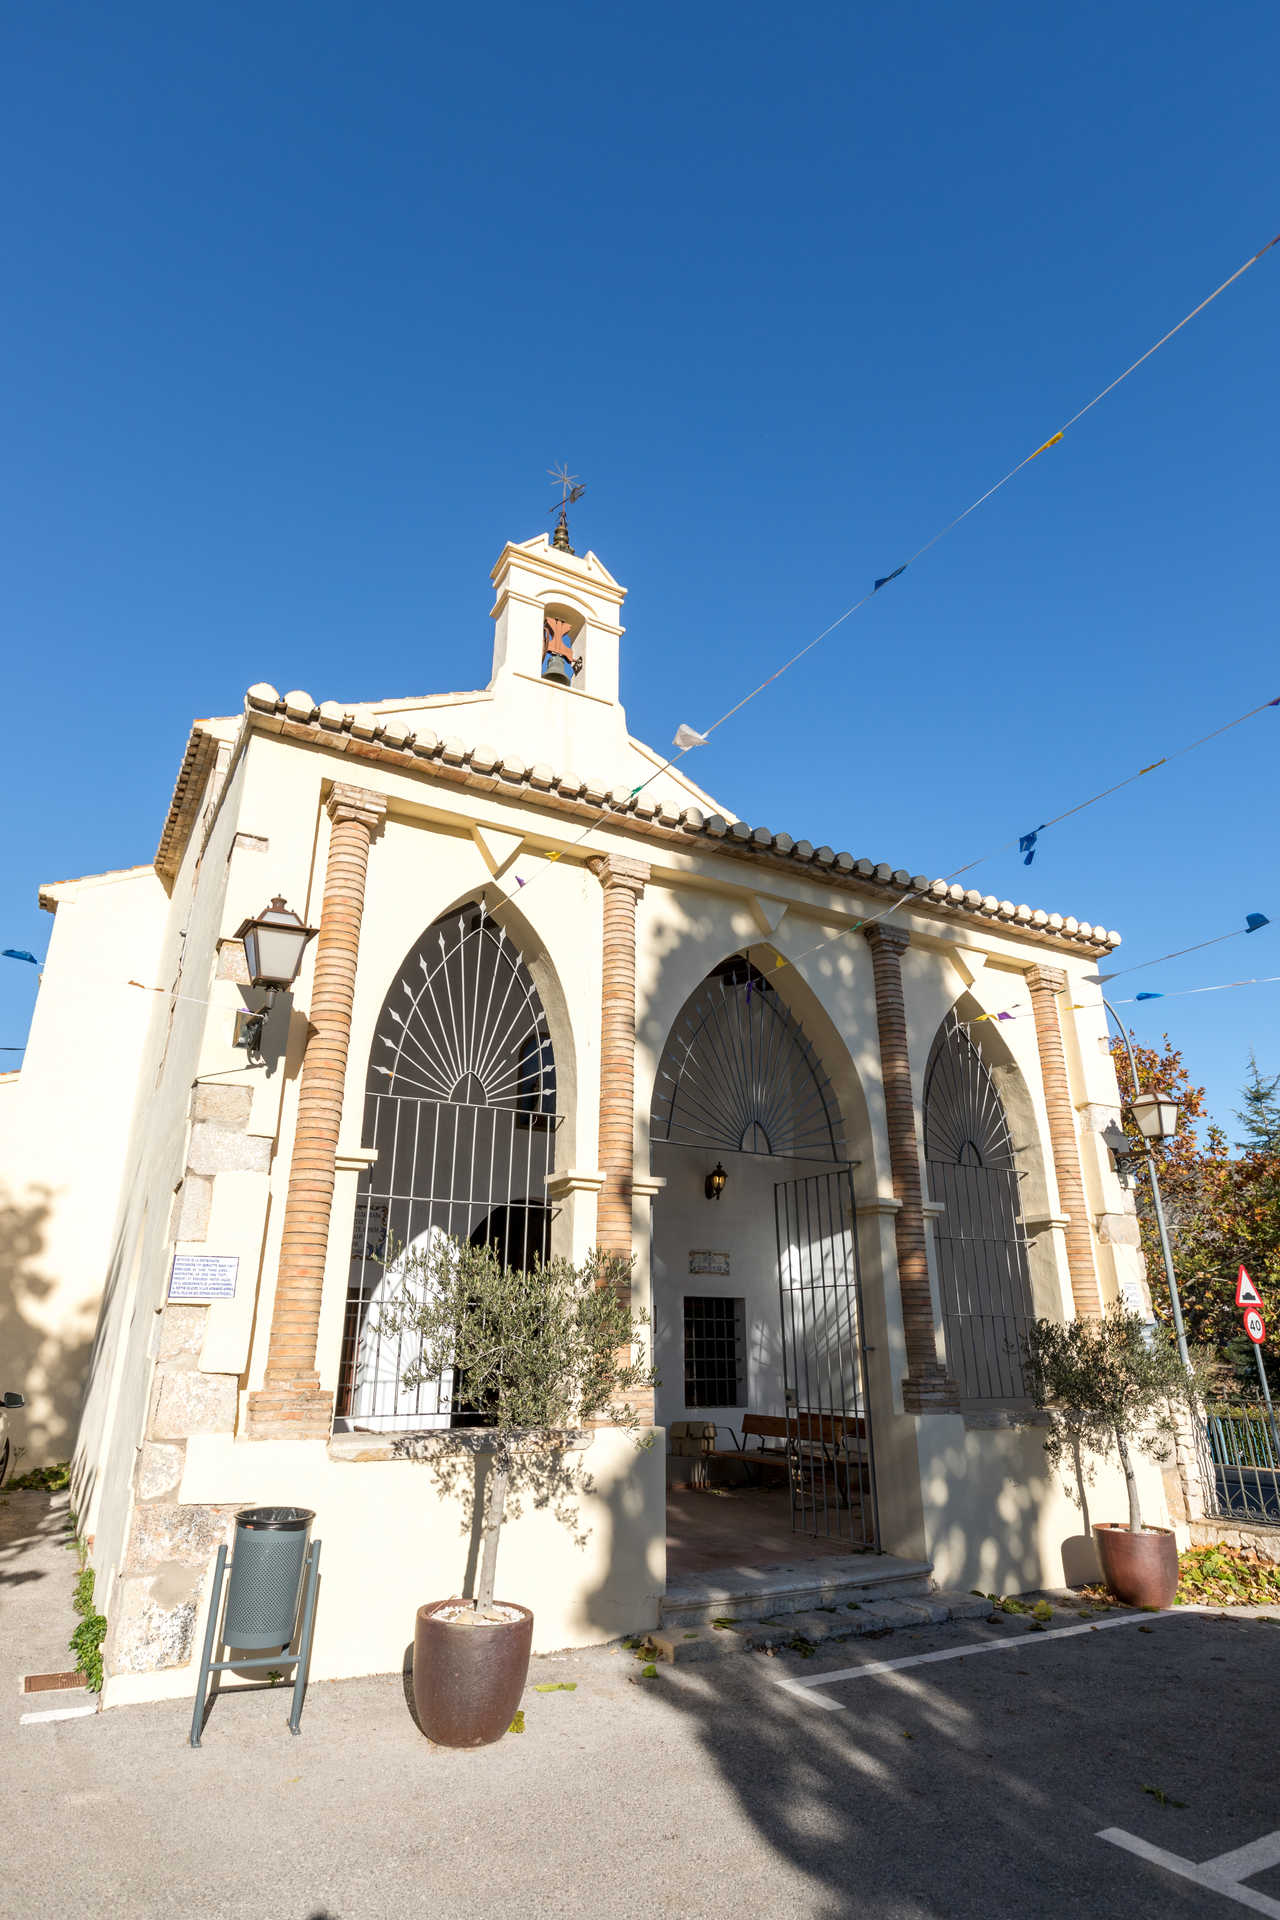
460,1104
758,1323
983,1273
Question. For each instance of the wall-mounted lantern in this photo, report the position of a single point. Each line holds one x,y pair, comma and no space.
716,1182
274,943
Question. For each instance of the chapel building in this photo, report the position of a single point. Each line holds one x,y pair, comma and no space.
846,1120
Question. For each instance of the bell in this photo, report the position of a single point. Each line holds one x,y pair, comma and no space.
556,667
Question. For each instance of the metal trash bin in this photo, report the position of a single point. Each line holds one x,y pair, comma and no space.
266,1576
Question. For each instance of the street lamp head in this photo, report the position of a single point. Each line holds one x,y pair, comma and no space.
274,941
1157,1116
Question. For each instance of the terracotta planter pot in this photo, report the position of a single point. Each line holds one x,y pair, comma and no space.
1140,1568
467,1681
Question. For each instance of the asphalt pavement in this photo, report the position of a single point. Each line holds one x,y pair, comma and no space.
961,1788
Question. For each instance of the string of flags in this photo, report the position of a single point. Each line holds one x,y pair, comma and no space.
1019,1010
1053,440
688,737
1252,923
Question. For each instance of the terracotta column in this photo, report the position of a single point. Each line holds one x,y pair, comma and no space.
1046,983
623,881
927,1388
292,1403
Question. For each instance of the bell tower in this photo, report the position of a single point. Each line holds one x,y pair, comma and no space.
555,651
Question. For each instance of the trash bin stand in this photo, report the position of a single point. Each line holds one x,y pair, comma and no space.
301,1659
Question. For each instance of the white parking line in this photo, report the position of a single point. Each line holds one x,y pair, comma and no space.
1222,1874
1023,1642
55,1713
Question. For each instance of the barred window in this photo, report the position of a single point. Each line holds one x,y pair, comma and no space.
715,1348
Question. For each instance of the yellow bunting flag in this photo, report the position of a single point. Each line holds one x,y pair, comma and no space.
1152,767
1051,442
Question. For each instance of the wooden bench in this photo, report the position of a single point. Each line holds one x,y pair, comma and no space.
802,1446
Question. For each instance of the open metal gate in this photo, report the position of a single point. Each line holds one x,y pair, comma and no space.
830,1458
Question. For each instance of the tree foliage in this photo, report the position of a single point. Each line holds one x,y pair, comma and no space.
530,1353
1260,1114
1109,1384
1222,1209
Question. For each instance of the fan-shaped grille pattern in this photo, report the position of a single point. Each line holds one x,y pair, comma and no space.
739,1074
464,1023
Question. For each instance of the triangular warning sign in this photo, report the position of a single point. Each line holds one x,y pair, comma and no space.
1247,1294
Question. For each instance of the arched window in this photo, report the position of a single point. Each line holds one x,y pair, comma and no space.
460,1107
738,1074
982,1246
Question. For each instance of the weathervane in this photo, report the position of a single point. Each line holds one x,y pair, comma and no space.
571,490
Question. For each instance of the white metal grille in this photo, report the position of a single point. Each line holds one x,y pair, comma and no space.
738,1073
460,1105
982,1244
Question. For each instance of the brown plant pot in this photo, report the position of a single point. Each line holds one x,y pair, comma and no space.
1140,1568
467,1681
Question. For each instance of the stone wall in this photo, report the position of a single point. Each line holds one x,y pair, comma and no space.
1264,1541
156,1599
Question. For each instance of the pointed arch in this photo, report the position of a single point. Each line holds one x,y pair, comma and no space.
738,1074
460,1113
983,1272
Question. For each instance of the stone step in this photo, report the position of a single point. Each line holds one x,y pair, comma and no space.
806,1630
801,1586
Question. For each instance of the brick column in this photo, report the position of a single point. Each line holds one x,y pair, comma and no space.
291,1404
1046,983
927,1388
623,881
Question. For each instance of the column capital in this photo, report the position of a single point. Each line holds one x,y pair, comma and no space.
361,804
1047,979
885,938
619,870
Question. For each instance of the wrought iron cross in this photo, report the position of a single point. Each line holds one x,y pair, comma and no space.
571,491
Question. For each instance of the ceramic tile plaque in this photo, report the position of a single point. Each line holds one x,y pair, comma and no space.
204,1276
706,1262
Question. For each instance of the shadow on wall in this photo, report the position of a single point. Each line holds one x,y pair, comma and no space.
42,1355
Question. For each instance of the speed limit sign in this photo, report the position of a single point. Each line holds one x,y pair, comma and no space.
1255,1326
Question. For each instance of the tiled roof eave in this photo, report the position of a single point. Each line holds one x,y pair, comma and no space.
188,791
361,735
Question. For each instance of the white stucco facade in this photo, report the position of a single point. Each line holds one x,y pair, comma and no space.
523,782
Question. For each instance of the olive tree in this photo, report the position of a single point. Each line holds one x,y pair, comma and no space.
1107,1384
526,1354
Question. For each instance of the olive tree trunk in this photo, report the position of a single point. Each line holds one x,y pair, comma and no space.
495,1507
1131,1483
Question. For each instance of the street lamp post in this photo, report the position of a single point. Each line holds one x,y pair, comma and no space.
1157,1118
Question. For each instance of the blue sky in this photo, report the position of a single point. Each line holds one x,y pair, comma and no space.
301,303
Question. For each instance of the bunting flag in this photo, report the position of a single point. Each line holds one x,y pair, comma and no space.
886,578
1027,844
1253,921
687,737
19,953
1052,441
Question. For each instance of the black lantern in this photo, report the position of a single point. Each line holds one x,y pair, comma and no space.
716,1182
274,942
